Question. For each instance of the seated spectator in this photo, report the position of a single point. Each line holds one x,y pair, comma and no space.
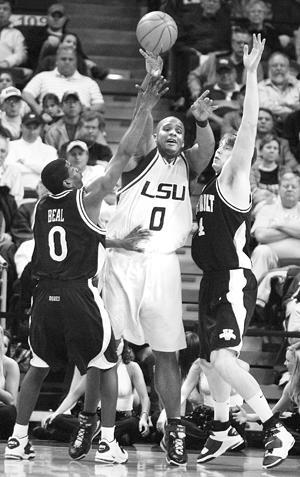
12,42
9,386
63,78
205,73
264,176
129,423
65,129
280,92
6,79
11,111
223,93
266,126
256,11
52,111
85,66
30,154
232,120
203,28
291,305
10,176
48,35
92,131
291,131
277,228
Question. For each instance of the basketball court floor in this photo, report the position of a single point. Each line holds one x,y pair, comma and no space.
144,461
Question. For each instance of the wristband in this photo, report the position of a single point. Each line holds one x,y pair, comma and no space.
202,124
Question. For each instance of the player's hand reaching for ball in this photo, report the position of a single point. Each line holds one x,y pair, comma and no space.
154,63
154,90
203,107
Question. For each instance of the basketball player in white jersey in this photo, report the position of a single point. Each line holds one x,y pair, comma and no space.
142,291
220,247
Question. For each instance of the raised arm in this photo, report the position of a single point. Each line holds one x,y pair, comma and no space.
240,162
199,155
99,188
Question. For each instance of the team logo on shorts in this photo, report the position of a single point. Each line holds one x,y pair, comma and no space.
227,334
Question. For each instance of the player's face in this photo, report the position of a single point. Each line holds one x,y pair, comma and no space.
75,175
170,137
222,154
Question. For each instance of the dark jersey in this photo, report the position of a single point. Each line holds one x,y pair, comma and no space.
66,240
222,239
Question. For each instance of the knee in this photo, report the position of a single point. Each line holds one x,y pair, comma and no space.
221,360
262,252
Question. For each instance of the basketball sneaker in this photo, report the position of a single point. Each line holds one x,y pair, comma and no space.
82,440
19,449
111,453
173,444
278,441
219,442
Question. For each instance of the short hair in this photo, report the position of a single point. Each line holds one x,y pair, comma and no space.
54,174
278,53
286,172
64,48
49,97
7,1
268,138
266,110
90,115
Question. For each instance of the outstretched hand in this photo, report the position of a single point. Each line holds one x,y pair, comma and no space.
133,239
154,90
203,107
251,60
154,63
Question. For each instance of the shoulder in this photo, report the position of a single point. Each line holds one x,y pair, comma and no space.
10,365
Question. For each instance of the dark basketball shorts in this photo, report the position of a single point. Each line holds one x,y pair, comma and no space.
226,303
69,323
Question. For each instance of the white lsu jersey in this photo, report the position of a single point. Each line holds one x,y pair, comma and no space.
156,196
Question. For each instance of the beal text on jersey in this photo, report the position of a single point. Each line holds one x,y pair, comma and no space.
56,215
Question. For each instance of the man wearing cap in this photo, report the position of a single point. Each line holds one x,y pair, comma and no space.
11,105
30,153
77,154
65,129
64,77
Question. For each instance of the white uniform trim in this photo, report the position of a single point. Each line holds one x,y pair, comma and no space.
83,214
229,204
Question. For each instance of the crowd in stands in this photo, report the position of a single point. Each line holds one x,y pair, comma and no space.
51,106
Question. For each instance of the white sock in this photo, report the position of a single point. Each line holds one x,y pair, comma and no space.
260,406
221,411
108,433
20,431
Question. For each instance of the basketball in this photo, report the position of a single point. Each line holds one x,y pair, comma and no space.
156,32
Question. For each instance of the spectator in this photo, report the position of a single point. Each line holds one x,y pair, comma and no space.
65,129
92,131
9,385
291,131
12,42
223,93
264,176
6,79
77,154
51,109
205,73
11,114
63,78
256,11
266,126
277,228
44,37
291,302
30,153
232,120
280,92
84,64
10,176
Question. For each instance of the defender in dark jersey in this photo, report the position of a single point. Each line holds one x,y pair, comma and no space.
220,247
68,319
